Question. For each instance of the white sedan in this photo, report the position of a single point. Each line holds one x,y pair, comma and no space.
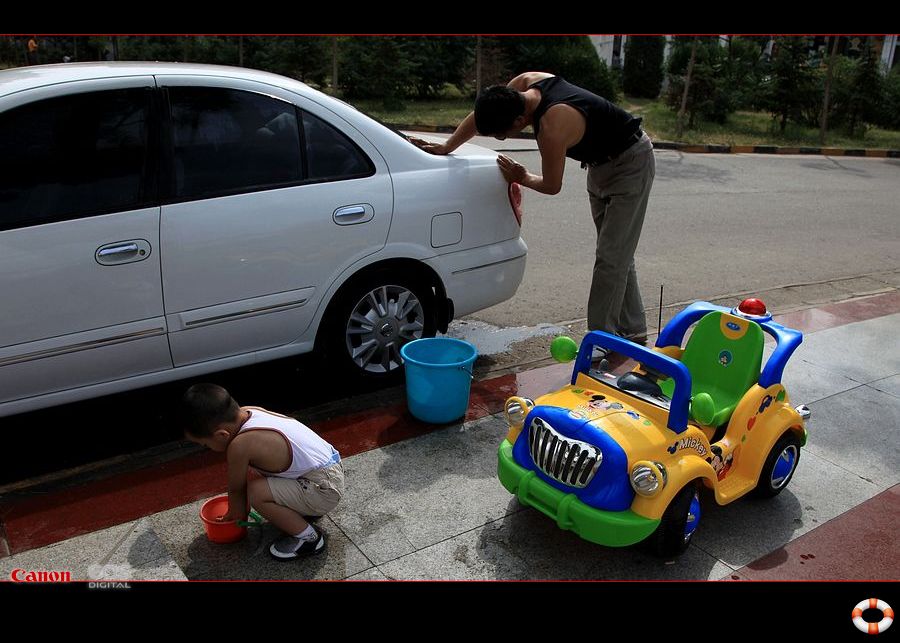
161,221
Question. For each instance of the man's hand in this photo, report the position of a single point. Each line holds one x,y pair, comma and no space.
513,172
432,148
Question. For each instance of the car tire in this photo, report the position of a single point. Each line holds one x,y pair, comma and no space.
779,466
374,317
678,524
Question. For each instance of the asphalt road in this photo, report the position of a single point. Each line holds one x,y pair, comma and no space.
716,224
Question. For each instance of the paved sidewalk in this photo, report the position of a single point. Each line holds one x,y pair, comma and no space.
424,502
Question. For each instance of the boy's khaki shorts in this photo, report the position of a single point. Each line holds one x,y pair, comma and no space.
314,494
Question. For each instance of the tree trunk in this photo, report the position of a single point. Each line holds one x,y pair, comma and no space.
828,77
334,66
477,65
240,51
679,130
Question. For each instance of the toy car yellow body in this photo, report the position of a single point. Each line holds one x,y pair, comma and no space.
619,457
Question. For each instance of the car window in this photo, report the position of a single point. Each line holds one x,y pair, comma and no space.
330,154
228,141
74,156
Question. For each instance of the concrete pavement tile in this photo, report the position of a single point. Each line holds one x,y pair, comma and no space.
858,351
141,556
858,431
373,573
741,532
164,568
182,532
806,382
888,385
860,544
526,545
77,555
413,494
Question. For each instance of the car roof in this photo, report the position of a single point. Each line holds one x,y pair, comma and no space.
21,78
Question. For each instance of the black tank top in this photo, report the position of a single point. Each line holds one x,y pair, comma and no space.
609,128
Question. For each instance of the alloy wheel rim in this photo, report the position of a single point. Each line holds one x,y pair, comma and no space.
381,322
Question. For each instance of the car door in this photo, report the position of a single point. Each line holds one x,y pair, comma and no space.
255,228
79,237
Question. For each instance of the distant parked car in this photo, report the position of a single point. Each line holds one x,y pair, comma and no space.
161,221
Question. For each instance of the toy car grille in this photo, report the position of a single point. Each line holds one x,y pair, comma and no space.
566,460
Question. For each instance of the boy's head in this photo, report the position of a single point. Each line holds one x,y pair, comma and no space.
499,112
209,416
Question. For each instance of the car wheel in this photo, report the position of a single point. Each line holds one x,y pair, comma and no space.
678,524
374,318
779,466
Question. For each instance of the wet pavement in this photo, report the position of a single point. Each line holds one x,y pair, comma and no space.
424,502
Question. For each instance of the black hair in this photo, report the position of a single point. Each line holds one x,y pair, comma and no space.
204,407
496,108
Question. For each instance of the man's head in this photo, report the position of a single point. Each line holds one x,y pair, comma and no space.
209,416
499,112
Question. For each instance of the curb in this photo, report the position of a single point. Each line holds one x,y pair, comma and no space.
692,148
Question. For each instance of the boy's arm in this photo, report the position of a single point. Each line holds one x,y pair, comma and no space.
238,462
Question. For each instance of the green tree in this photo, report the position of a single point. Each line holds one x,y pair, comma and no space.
710,96
865,102
572,57
642,75
792,83
376,67
436,61
890,108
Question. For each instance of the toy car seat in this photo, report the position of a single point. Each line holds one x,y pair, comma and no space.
723,355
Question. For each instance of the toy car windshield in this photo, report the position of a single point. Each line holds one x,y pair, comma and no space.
626,374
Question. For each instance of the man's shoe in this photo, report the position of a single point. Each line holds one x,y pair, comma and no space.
290,548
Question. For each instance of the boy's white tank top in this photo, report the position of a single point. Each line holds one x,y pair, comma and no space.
308,450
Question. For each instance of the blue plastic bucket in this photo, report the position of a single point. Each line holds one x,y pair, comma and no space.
438,377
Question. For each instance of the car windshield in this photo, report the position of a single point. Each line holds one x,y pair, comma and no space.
629,376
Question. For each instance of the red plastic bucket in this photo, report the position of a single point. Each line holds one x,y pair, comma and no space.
219,531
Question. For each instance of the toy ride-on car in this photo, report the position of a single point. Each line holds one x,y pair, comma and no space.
618,455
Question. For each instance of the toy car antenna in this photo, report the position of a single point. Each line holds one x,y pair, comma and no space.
659,321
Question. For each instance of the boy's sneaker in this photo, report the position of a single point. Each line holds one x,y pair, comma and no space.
291,548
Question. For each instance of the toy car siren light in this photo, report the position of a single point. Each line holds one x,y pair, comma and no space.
752,308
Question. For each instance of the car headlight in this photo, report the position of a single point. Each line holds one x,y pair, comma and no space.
517,409
648,478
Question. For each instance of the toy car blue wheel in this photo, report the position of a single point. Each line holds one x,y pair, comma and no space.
779,466
677,525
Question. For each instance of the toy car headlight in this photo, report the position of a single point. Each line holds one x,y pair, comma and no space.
648,478
517,409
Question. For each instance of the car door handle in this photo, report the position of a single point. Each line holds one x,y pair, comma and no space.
352,214
118,250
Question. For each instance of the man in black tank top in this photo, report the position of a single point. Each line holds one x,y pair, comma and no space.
570,121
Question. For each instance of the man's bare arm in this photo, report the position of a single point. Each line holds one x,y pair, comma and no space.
464,132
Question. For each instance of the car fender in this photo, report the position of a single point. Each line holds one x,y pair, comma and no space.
680,472
760,418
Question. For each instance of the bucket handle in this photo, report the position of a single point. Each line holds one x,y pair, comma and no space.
255,520
467,371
